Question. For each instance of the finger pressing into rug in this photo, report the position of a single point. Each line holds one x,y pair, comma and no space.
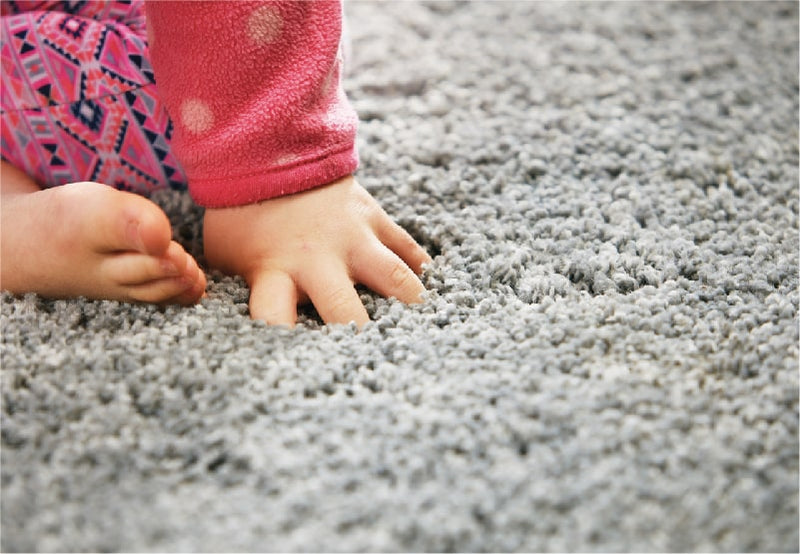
273,297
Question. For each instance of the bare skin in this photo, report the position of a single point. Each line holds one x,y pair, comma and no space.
88,239
314,246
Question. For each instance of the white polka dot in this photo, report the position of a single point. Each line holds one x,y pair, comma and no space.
264,25
196,116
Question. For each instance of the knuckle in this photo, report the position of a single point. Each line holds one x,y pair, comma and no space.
399,275
363,207
338,299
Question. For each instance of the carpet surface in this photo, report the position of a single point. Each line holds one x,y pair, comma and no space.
607,358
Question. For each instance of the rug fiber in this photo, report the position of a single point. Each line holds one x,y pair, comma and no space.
607,358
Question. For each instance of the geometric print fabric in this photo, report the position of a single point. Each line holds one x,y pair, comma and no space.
79,101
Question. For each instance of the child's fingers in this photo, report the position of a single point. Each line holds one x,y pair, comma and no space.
273,297
400,242
332,292
386,273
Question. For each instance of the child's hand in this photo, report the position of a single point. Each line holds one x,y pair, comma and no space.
314,246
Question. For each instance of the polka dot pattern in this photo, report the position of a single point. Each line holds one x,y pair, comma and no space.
196,116
264,25
264,116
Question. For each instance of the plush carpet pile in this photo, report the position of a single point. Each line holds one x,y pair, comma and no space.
607,358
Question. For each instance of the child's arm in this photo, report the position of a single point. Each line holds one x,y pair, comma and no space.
260,116
254,91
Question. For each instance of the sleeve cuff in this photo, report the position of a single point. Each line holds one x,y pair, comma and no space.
237,190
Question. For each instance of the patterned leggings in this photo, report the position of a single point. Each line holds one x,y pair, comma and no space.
79,101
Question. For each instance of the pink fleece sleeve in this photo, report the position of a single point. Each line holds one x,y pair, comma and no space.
254,91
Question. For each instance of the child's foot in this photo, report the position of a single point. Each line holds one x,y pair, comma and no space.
88,239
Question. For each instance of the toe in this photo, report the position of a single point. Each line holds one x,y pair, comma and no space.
163,291
196,288
154,229
186,286
190,271
133,268
193,294
122,221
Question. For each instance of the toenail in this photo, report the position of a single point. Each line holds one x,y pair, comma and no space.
187,282
191,266
134,237
169,268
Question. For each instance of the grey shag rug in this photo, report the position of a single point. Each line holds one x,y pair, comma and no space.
607,358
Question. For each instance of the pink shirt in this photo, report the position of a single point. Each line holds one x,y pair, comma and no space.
254,91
